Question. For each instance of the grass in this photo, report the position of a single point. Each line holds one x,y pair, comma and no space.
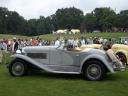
47,84
6,36
53,37
87,35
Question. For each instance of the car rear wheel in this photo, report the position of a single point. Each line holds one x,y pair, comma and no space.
94,71
18,68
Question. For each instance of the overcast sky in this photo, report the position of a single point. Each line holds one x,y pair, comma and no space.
35,8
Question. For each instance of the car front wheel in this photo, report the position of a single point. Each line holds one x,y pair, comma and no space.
122,58
94,71
17,68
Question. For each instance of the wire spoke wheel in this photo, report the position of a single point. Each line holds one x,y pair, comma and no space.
17,68
94,70
122,58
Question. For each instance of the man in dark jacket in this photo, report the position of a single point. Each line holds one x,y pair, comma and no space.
14,45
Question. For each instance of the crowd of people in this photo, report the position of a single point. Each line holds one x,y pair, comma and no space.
17,43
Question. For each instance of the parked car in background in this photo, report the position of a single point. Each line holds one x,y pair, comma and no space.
96,31
92,63
124,40
121,50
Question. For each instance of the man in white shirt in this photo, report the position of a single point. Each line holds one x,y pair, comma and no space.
57,42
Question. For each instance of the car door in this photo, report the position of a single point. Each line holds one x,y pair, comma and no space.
64,58
70,58
64,61
55,57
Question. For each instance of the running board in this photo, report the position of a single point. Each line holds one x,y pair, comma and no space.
60,72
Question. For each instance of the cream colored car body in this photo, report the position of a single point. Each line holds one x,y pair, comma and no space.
117,48
121,48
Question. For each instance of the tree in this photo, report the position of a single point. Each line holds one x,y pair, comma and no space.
15,23
105,18
68,18
122,19
44,25
49,27
11,22
3,14
90,22
32,27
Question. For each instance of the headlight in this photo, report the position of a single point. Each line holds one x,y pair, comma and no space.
18,52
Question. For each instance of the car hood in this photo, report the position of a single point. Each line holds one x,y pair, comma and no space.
39,47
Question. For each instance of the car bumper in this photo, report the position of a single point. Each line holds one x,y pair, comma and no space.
118,66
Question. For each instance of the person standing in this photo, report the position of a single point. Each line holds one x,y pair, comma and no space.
14,45
82,41
57,42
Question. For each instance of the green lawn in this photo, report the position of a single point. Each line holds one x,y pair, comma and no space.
51,37
47,84
87,35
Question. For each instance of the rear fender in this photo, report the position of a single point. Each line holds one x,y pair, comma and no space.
107,64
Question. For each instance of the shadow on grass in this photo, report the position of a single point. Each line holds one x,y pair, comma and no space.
42,74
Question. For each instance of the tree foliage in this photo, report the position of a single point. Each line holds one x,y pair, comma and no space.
69,18
122,19
103,19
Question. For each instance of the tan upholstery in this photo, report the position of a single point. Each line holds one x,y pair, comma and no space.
76,49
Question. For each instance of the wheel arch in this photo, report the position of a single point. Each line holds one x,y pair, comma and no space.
93,59
23,70
121,51
124,53
101,58
28,64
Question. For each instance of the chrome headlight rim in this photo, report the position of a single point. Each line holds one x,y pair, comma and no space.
18,51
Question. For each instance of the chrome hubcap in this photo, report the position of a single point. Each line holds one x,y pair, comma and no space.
17,68
94,71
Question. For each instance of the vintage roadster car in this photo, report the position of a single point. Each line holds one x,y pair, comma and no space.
92,63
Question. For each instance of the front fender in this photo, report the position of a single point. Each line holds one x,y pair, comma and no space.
100,58
30,60
121,51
